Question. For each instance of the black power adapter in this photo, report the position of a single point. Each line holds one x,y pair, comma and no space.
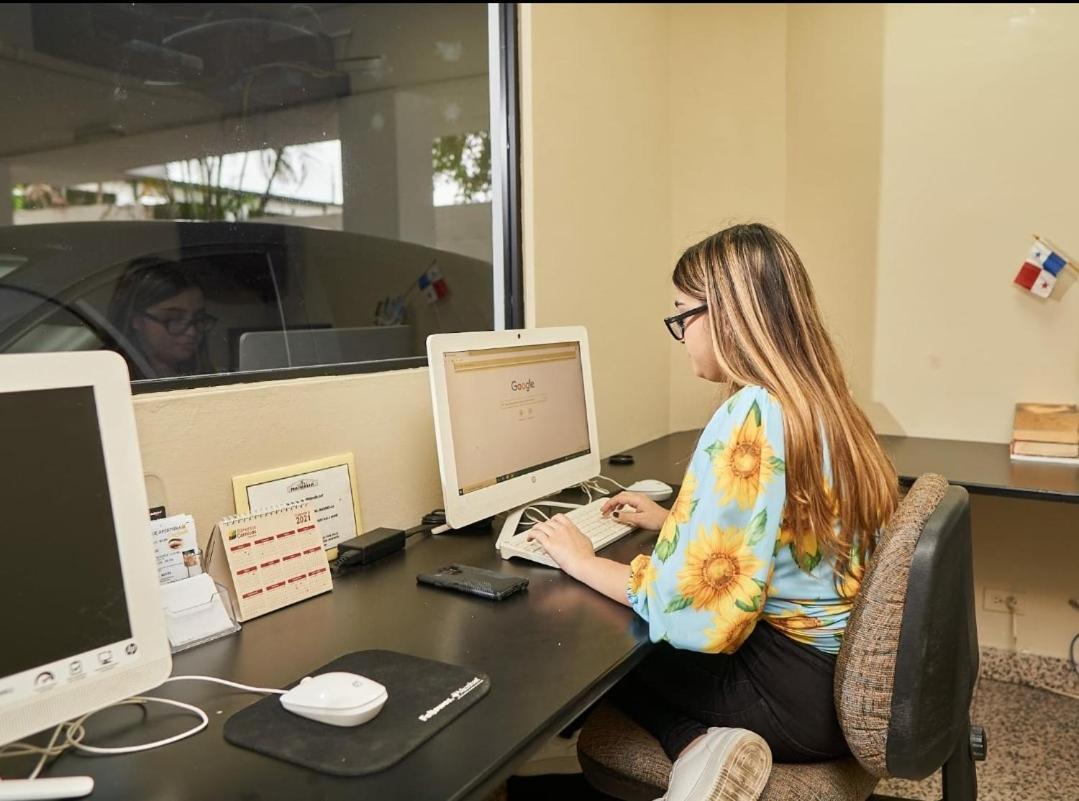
369,546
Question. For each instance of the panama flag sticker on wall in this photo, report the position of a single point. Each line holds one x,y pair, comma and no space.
1040,270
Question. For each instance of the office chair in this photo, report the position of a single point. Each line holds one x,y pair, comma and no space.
904,677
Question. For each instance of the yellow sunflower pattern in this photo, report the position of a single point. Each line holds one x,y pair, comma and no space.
681,512
727,636
718,573
686,502
745,464
804,547
642,574
724,559
799,626
849,582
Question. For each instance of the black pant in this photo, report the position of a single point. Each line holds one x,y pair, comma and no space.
772,685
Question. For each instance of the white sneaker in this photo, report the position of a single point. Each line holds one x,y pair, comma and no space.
723,765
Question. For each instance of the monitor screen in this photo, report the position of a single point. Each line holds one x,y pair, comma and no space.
59,561
514,410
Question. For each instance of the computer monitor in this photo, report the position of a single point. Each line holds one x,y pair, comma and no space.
267,350
514,417
236,333
81,625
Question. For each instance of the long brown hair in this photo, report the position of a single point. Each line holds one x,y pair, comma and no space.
767,331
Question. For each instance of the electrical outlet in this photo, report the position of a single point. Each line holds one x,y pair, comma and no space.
998,601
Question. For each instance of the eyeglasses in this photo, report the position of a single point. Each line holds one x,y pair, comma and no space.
178,325
676,323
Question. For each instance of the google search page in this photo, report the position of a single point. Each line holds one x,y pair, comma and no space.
515,410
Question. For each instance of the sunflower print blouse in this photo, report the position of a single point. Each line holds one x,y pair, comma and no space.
725,558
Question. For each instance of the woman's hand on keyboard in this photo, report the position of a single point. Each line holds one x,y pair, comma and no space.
563,542
642,511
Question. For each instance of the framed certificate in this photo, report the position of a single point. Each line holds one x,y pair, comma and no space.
328,485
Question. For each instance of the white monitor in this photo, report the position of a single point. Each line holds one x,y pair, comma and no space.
267,350
81,624
514,417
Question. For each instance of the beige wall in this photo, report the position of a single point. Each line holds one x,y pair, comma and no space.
1026,547
833,96
727,127
595,197
911,192
194,441
977,152
885,142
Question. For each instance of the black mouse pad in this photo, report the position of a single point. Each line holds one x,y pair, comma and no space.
424,696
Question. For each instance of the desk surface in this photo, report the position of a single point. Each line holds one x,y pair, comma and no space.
981,467
550,652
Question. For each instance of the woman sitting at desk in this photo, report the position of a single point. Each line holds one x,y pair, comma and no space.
777,516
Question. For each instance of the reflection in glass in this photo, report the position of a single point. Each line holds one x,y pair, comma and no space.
302,175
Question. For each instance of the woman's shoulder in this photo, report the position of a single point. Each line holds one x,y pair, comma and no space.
740,405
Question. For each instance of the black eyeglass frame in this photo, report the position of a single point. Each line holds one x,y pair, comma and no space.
676,323
202,323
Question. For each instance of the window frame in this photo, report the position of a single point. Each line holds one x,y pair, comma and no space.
508,283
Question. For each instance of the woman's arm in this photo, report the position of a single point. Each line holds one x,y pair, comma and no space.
705,583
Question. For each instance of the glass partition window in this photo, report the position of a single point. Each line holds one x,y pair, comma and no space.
213,189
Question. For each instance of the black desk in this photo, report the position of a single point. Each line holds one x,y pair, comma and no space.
981,467
550,652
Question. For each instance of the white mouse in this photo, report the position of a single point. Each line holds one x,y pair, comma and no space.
340,699
656,490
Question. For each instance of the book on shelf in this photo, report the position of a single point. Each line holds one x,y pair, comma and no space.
1064,460
1046,423
1058,449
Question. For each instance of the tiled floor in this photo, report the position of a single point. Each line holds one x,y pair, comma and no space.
1033,740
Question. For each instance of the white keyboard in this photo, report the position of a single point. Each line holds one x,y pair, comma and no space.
589,519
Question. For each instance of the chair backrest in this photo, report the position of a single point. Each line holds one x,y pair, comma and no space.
906,671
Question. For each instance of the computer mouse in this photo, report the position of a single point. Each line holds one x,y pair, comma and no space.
337,698
656,490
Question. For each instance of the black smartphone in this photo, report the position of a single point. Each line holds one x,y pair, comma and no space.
474,580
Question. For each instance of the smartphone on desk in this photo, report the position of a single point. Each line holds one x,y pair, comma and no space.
475,581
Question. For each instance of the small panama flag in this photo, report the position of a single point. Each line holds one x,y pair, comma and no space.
1040,270
432,285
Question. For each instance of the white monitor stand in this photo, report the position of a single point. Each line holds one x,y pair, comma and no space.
43,789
